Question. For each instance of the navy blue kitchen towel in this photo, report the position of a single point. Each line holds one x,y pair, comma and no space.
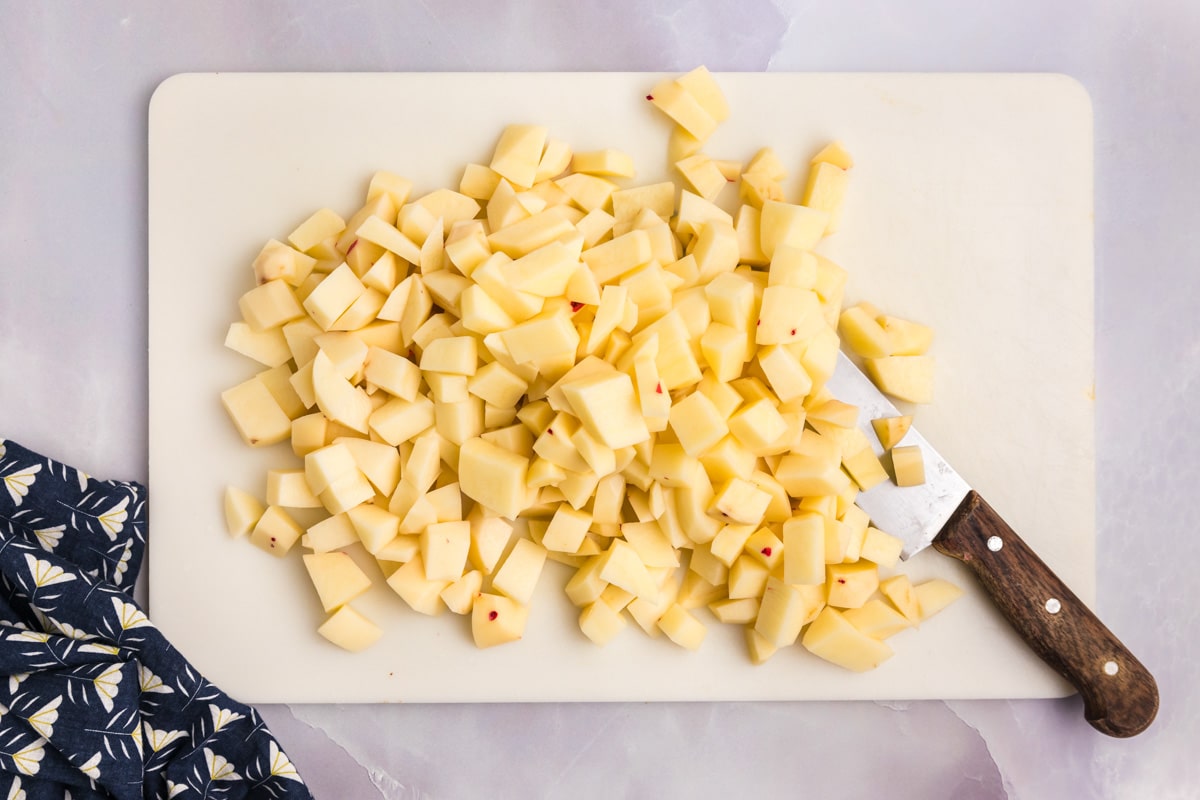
94,701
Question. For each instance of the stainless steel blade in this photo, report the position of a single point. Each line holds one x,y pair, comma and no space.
914,514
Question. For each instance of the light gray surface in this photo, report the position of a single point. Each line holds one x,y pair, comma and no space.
74,82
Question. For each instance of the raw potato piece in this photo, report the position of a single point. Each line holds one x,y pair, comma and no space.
336,577
242,511
905,377
496,619
834,639
934,595
908,465
350,630
891,430
682,628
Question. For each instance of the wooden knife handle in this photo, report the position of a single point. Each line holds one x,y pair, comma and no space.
1120,696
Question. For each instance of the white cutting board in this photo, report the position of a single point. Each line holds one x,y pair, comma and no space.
970,209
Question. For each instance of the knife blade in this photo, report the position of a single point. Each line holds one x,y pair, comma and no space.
1120,695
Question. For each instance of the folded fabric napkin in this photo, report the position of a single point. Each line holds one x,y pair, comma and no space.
94,701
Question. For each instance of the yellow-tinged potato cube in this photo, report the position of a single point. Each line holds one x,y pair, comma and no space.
256,413
681,144
757,425
877,619
496,384
478,181
393,373
289,489
267,347
683,107
672,467
444,547
541,339
524,237
703,86
659,198
336,577
496,619
737,612
459,421
891,430
275,532
850,585
381,205
422,594
728,459
316,229
333,295
865,468
758,647
757,188
493,477
803,475
863,334
375,526
590,192
350,630
399,420
899,590
460,596
600,622
788,377
702,174
804,549
825,189
652,546
707,566
682,628
907,338
623,567
881,548
834,639
556,157
647,614
739,501
603,162
619,256
791,266
331,533
489,538
787,314
905,377
715,248
908,465
697,424
785,609
834,153
764,546
517,577
724,349
242,511
270,305
729,542
518,154
567,530
934,595
747,577
608,408
787,223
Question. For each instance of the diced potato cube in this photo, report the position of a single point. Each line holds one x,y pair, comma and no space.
863,334
350,630
336,577
881,548
905,377
804,549
517,577
600,622
877,619
850,585
256,414
608,408
682,628
908,465
834,639
496,619
444,547
785,610
275,532
891,430
493,477
899,590
242,511
934,595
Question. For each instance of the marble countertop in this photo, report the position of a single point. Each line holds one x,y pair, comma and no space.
75,79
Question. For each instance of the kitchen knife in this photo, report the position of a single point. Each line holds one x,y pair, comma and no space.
1120,695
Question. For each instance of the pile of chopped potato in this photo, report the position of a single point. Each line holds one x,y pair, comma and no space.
629,380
